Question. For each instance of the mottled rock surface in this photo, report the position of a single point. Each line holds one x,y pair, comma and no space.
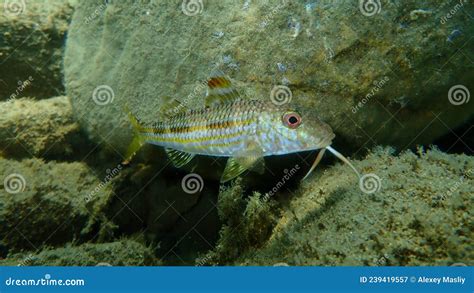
49,203
419,213
32,36
125,252
380,79
37,128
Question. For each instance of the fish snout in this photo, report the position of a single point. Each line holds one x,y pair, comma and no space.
327,135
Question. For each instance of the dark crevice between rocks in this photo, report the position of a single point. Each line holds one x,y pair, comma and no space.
459,141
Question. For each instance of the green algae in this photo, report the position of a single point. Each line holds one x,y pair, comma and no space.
420,216
248,222
124,252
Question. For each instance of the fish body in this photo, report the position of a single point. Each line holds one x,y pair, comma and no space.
244,130
231,129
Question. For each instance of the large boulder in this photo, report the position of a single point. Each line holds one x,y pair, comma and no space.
378,77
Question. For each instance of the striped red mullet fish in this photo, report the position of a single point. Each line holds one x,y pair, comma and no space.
243,130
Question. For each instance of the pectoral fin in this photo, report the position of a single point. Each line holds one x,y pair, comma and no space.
179,158
232,170
238,165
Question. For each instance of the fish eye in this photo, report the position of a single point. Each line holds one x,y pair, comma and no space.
292,119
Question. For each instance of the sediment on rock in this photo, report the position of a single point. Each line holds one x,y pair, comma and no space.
124,252
49,203
32,46
416,210
44,128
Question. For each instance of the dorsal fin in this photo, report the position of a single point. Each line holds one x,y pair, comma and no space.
179,158
220,89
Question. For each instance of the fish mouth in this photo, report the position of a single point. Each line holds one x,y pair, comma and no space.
326,142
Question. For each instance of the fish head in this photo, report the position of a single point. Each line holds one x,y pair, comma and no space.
294,130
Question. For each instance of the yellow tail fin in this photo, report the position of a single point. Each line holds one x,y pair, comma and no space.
137,140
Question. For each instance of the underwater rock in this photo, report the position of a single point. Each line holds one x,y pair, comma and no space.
125,252
171,209
375,77
49,203
414,209
42,128
32,35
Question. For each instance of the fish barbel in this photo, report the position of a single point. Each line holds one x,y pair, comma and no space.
241,129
